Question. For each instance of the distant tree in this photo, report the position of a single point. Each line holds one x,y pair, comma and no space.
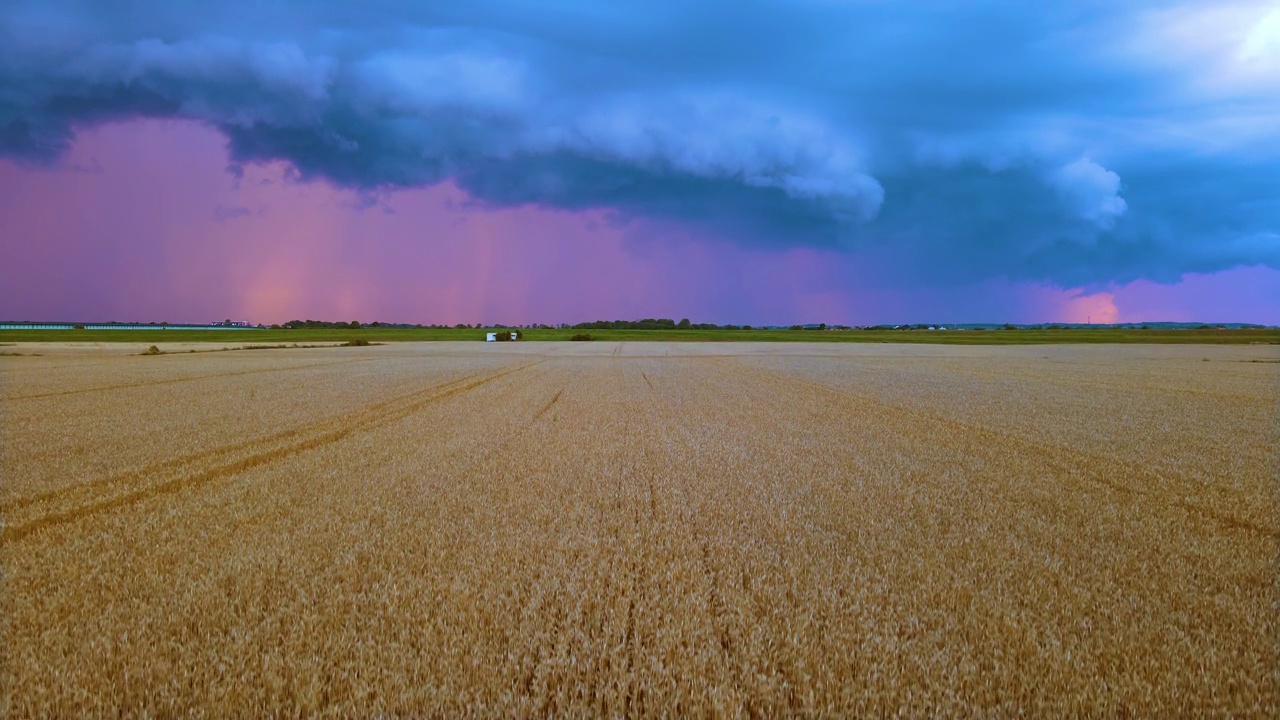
746,327
355,324
797,327
684,324
822,326
1008,326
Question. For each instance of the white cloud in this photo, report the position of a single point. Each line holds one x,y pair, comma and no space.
1091,191
1223,49
716,135
424,82
1262,44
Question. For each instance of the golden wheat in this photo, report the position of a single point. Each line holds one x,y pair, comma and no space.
588,529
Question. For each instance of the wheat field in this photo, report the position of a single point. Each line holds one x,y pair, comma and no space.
590,529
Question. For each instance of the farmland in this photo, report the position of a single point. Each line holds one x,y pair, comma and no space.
532,529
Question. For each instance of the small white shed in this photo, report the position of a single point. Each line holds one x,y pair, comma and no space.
491,337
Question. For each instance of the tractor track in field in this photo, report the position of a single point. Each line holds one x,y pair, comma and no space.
222,451
174,381
1070,463
549,404
88,499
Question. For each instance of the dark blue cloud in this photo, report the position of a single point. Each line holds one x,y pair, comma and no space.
1077,143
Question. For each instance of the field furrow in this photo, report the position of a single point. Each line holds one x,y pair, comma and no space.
25,515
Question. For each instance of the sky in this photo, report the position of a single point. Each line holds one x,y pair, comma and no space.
850,162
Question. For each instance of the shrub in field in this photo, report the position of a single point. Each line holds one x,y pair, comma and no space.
356,342
582,336
153,350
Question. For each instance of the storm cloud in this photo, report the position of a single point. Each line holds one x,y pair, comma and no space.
1075,143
